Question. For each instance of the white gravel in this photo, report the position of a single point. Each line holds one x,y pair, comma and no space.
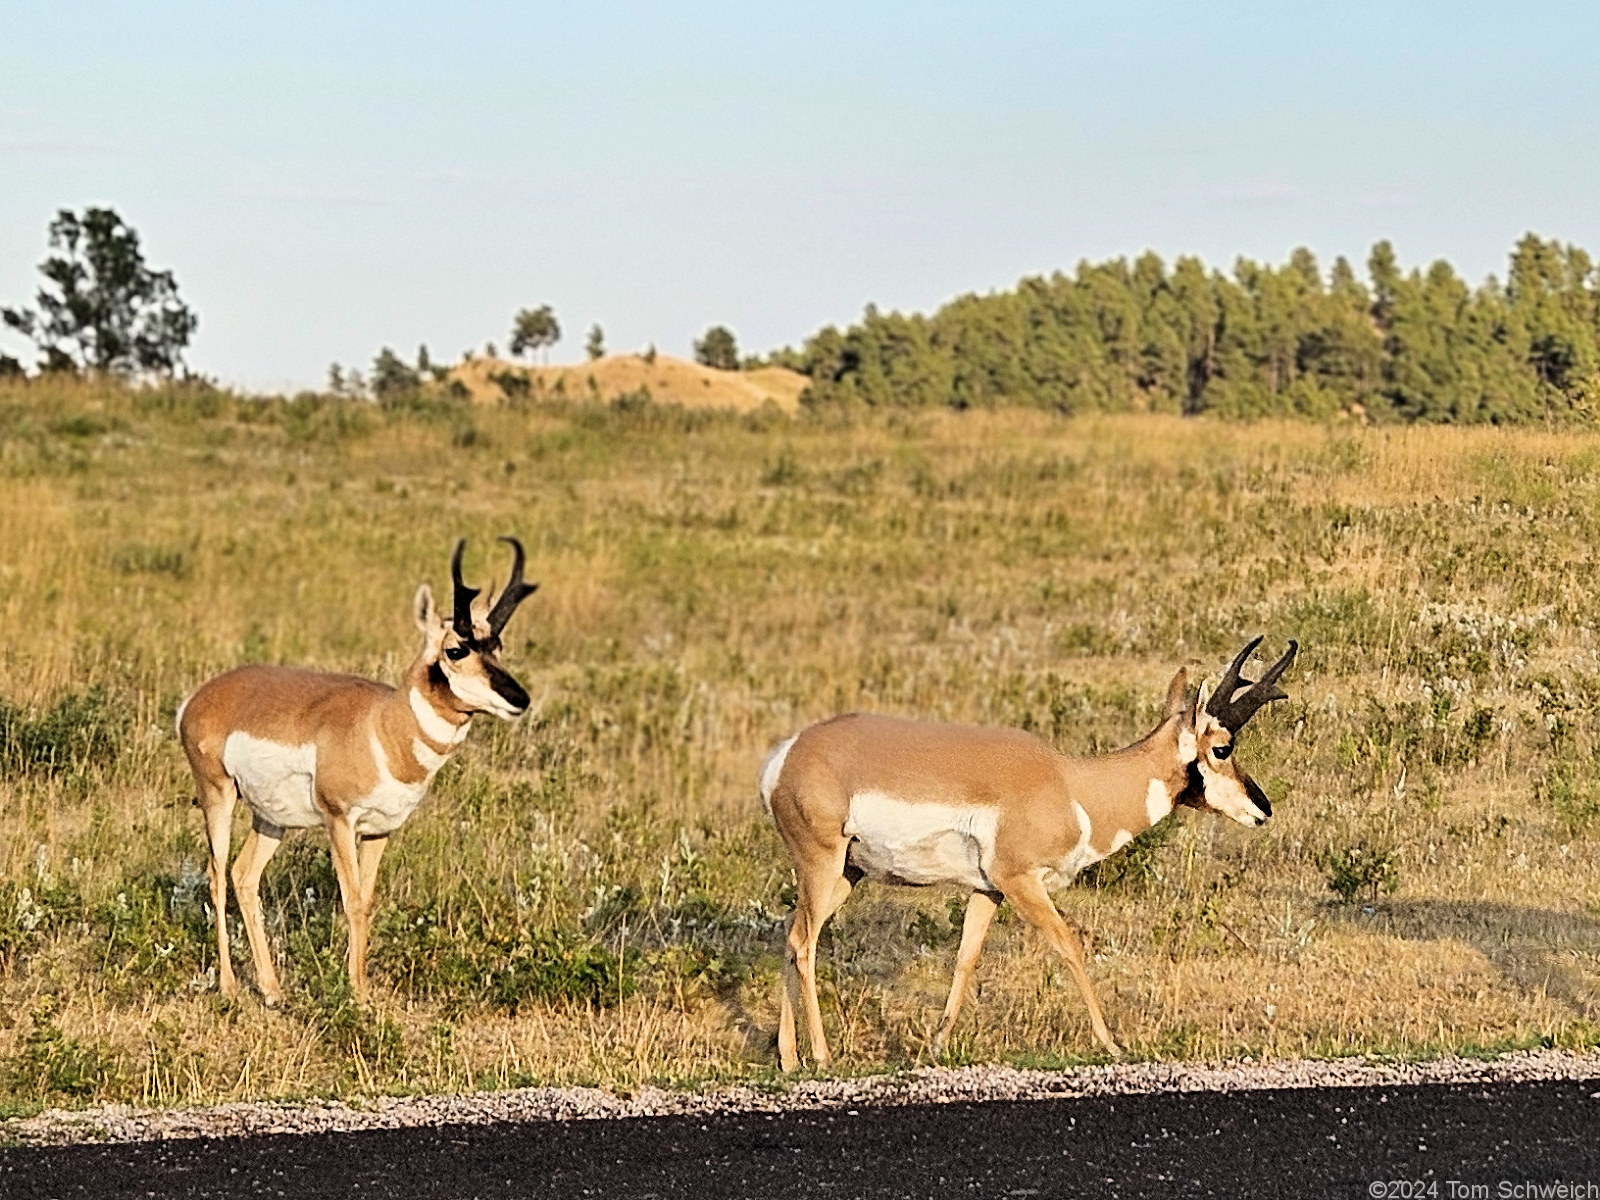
931,1085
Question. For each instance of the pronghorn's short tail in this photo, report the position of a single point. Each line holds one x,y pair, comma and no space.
771,770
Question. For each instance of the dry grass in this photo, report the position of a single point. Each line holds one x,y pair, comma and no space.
711,583
666,379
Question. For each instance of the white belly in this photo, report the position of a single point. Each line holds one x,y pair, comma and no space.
273,779
905,842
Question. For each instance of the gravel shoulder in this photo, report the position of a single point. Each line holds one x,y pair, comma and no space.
928,1086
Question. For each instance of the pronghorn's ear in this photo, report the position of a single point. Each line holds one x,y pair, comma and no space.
1177,693
480,615
1198,715
425,611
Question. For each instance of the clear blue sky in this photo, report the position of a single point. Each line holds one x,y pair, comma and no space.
325,179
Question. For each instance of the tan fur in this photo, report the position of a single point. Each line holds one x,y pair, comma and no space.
361,742
1034,793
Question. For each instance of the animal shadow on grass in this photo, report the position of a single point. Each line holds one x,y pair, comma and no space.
1535,949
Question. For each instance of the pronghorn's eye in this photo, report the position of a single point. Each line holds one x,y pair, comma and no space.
1221,752
457,653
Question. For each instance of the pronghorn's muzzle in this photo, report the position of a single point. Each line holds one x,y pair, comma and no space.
508,689
1257,796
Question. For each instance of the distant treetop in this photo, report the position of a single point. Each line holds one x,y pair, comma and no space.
534,329
103,310
718,349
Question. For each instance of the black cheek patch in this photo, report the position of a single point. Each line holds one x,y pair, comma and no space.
1257,796
1194,788
436,675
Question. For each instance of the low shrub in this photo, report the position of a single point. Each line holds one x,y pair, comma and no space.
81,731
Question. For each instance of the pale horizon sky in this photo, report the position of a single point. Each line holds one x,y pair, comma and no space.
327,179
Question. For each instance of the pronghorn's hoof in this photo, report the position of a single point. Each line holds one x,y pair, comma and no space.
272,1001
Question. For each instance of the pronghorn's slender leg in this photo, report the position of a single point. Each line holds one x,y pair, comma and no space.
1033,902
346,865
257,851
981,907
788,999
822,888
216,799
370,852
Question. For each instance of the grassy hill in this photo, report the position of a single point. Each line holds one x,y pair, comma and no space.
667,380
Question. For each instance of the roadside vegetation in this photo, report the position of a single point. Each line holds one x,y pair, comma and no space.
593,895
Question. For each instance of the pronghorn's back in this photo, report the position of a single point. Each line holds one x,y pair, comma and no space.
280,704
927,761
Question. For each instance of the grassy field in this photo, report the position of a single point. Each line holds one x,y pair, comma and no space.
593,895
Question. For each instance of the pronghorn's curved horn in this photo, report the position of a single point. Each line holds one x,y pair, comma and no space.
1232,713
462,596
1230,682
515,591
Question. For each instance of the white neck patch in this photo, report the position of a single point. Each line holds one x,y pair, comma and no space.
427,758
434,725
1157,804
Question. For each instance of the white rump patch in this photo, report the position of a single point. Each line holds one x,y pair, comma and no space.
273,779
386,807
772,771
435,726
1157,803
903,841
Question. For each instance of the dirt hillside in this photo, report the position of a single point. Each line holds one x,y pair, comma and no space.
669,380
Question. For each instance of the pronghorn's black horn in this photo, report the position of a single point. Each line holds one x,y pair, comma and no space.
515,590
1231,707
1231,682
462,596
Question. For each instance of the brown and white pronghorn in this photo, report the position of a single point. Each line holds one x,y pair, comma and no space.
993,810
305,748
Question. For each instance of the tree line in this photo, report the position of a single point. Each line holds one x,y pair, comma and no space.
1419,345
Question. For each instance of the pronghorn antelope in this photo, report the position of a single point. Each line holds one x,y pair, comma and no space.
306,748
993,810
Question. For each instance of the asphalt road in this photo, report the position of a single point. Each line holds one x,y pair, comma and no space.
1448,1141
